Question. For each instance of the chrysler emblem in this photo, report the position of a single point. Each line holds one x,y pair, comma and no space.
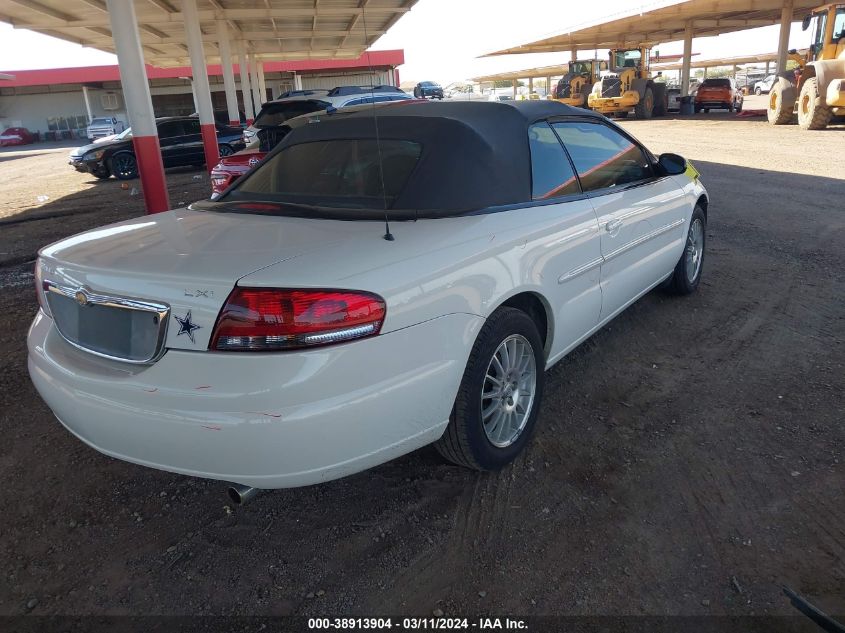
253,162
81,298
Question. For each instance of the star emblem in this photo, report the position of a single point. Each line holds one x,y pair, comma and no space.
186,326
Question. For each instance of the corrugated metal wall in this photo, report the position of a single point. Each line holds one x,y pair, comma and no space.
350,79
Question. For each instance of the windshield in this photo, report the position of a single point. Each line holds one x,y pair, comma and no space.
579,68
274,114
349,173
127,133
627,59
101,122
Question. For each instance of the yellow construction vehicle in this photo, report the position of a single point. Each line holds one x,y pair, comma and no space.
576,84
815,90
629,87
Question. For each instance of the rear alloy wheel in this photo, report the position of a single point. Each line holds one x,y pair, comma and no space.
225,150
781,102
687,273
498,401
812,115
645,106
124,166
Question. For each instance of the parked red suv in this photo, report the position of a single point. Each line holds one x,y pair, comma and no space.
718,92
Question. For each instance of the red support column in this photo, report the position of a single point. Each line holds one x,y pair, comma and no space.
209,142
199,71
139,105
153,184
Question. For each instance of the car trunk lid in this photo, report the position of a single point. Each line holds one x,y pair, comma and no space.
186,260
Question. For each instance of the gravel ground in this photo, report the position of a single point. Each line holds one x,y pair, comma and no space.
688,459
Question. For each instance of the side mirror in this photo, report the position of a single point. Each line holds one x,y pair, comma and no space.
805,23
672,164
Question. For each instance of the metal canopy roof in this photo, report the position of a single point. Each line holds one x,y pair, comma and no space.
273,29
554,71
665,21
723,61
528,73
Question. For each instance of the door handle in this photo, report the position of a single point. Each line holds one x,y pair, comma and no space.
612,225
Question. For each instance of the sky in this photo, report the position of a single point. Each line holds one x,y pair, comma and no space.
442,39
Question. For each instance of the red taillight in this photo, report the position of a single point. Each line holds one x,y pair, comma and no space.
268,319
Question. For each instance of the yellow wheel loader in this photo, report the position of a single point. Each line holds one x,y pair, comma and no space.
576,84
628,87
815,91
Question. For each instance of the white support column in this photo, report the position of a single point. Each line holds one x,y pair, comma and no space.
194,94
783,40
262,84
228,72
686,60
767,68
513,81
246,90
87,103
573,54
139,104
253,81
202,91
530,85
297,81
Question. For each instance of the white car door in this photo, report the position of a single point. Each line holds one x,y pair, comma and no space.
571,249
642,218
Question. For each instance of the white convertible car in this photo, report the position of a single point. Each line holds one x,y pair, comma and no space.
380,282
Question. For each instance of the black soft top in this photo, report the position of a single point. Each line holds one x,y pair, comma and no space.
474,154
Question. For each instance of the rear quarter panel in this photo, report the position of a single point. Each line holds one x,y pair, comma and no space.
447,266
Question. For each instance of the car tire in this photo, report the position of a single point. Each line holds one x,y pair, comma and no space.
697,108
225,150
123,165
661,100
687,273
102,173
812,115
645,106
486,432
739,106
781,102
730,107
706,110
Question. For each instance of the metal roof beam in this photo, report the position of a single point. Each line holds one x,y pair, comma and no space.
67,22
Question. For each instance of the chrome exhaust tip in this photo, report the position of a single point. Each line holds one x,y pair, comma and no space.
242,494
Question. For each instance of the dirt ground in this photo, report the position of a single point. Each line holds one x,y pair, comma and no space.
688,459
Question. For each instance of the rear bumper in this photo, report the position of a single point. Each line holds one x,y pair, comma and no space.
263,420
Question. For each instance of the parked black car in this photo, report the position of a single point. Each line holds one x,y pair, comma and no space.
180,140
428,90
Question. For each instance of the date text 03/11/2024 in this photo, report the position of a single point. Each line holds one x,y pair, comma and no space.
417,624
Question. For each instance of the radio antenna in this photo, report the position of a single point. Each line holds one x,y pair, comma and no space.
387,234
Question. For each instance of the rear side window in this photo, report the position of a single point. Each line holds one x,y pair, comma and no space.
192,126
169,129
551,171
603,157
273,114
341,173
